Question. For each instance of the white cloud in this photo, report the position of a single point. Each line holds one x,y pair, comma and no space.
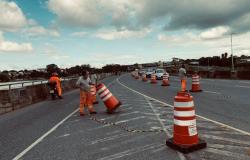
175,39
41,31
77,12
93,13
122,34
78,34
9,46
51,52
215,33
11,16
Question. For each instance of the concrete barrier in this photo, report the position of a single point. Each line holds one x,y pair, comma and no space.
20,97
14,99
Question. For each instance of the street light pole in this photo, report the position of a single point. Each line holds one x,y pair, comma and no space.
232,52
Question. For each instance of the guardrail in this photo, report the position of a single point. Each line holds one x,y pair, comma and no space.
16,85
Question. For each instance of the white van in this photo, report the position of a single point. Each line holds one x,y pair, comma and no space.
159,73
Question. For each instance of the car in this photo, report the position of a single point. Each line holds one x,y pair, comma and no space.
142,71
159,73
149,72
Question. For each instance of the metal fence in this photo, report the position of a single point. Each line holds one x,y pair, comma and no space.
16,85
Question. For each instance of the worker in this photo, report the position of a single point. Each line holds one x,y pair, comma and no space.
84,83
183,77
94,80
55,79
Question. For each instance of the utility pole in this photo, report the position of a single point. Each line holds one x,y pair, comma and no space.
232,52
208,63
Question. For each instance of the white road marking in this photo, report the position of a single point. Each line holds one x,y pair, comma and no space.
131,119
123,114
213,137
110,138
212,92
20,155
163,126
242,86
248,82
210,120
227,153
131,152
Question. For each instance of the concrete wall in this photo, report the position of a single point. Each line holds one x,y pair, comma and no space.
11,100
17,98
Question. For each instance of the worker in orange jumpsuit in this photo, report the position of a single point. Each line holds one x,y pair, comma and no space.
86,100
183,77
55,79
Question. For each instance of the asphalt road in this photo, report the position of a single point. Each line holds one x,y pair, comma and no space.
138,130
226,101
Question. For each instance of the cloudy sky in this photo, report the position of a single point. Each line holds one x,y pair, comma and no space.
34,33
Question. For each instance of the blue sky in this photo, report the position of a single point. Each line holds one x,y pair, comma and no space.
34,33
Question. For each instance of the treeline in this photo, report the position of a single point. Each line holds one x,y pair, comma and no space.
223,61
12,75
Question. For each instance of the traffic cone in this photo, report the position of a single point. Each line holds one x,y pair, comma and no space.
144,78
185,137
109,100
153,78
195,83
165,81
93,93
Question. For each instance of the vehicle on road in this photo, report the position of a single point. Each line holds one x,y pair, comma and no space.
149,72
159,73
142,71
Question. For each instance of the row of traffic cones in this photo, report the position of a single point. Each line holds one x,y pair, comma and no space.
165,81
185,135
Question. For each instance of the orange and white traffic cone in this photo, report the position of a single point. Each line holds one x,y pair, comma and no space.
153,78
165,81
109,100
144,78
185,137
93,93
196,83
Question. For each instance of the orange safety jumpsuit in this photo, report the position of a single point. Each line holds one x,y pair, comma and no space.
182,74
86,97
58,84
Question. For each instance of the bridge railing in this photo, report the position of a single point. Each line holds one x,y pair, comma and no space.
15,85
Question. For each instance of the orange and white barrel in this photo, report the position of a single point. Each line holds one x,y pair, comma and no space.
185,131
107,97
153,78
196,83
185,136
165,79
93,93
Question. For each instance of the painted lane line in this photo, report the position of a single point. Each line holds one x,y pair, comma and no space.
247,82
20,155
181,156
242,86
169,105
212,92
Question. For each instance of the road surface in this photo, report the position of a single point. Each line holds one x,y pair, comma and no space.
139,128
